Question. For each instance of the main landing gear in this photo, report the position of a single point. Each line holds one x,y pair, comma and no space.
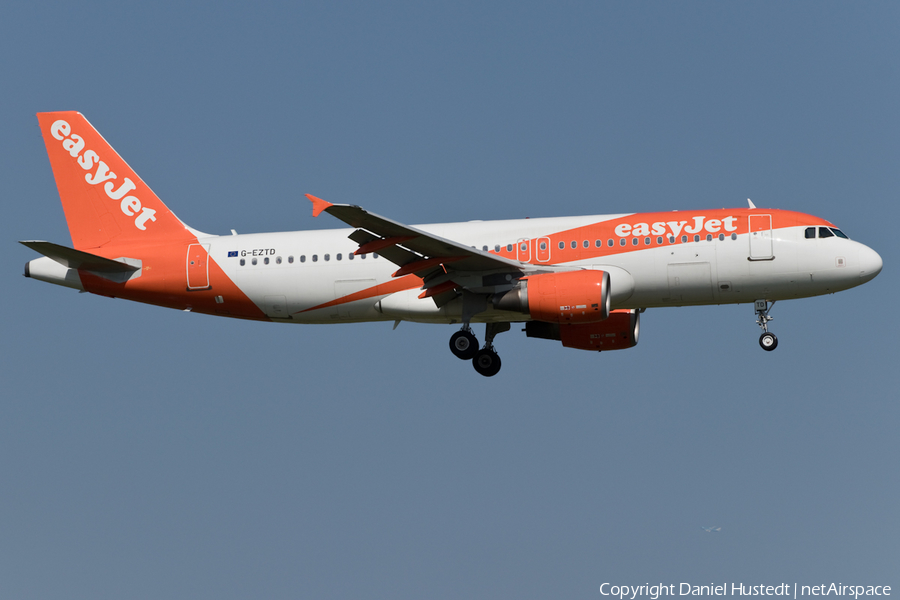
464,345
767,341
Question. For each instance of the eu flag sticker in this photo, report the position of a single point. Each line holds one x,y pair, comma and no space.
232,254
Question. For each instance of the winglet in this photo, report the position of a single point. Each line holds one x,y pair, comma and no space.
750,202
318,204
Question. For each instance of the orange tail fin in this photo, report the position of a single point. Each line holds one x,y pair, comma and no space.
103,198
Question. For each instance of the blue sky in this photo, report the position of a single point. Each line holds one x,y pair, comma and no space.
148,453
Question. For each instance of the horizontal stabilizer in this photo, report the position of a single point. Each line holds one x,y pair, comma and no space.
76,259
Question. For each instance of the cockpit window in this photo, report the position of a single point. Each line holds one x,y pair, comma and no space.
810,233
824,232
839,233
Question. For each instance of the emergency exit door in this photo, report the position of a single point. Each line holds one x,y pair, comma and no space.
198,267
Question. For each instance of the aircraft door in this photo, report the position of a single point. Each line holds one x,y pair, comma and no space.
761,237
523,250
198,267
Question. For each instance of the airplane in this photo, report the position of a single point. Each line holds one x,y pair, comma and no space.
582,281
710,529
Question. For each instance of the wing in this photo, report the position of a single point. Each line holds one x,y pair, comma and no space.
445,266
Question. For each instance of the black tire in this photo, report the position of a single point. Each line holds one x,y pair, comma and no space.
486,362
768,342
463,345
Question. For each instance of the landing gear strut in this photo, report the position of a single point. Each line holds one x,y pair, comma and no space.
767,341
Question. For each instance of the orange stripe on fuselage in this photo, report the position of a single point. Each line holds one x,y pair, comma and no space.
682,220
382,289
163,282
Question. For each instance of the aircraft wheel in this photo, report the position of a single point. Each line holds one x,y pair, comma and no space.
463,345
768,341
486,362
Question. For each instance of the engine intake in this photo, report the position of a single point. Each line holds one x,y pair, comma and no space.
567,297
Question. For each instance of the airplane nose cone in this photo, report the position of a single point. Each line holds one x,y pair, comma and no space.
869,263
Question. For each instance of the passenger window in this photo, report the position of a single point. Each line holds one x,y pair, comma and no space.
374,255
543,245
523,247
303,258
509,247
721,237
611,243
659,240
622,242
734,236
363,256
671,239
327,257
497,248
278,260
253,261
266,260
684,239
824,232
562,245
586,244
810,233
696,238
350,256
634,241
574,244
243,262
708,237
598,243
315,258
646,241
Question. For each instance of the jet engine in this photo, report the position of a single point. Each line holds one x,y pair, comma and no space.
617,332
566,297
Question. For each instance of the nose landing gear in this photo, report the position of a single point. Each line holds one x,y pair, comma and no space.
767,341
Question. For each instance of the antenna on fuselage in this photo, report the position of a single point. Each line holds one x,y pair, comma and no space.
750,202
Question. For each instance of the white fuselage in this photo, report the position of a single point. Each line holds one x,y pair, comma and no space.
306,269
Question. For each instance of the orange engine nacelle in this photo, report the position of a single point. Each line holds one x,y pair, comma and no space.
618,332
567,297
